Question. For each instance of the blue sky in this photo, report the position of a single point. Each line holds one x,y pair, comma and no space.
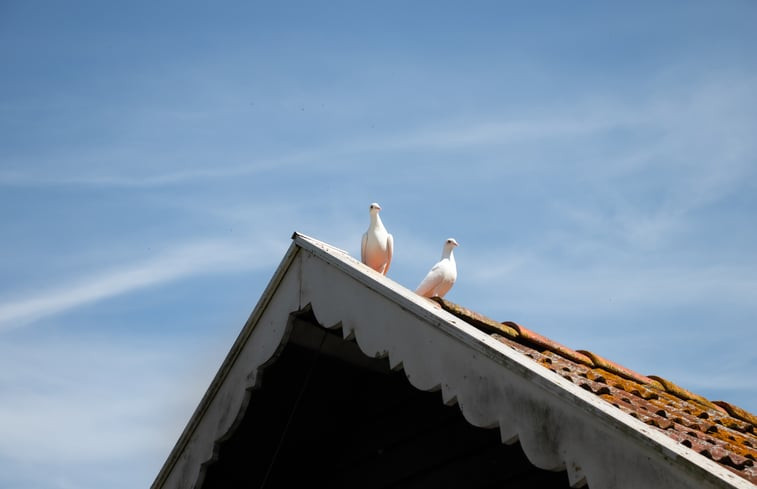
596,161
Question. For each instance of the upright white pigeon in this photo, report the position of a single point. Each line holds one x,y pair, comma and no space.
440,278
378,245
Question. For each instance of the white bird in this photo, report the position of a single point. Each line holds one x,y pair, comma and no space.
378,245
442,276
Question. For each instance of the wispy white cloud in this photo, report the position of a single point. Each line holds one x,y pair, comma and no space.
78,405
212,256
497,132
706,124
725,375
607,284
137,180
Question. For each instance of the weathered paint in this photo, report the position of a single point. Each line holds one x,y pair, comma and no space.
559,424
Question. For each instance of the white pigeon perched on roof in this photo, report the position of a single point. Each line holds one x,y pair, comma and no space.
440,278
378,245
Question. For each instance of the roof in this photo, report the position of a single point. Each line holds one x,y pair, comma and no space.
605,425
717,430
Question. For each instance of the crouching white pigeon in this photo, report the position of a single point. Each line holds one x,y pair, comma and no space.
378,245
440,278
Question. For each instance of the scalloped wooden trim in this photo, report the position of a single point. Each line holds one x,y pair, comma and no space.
559,425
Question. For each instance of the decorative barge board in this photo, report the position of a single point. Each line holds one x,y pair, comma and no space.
333,346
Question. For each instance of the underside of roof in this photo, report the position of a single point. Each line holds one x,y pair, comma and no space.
369,322
343,419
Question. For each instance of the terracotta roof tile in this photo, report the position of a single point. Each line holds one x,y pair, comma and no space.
737,412
478,320
624,372
717,430
685,394
536,339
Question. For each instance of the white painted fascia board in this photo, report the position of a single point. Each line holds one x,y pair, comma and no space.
579,431
606,414
182,444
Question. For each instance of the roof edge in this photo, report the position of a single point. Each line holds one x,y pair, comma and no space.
321,263
465,331
226,365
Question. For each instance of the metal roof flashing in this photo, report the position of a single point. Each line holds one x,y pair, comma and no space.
560,425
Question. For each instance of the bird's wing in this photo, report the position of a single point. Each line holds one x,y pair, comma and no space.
389,251
441,291
362,247
432,279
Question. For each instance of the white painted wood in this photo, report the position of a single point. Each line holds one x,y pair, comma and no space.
226,397
559,425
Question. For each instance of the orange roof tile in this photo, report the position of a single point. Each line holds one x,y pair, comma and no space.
717,430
